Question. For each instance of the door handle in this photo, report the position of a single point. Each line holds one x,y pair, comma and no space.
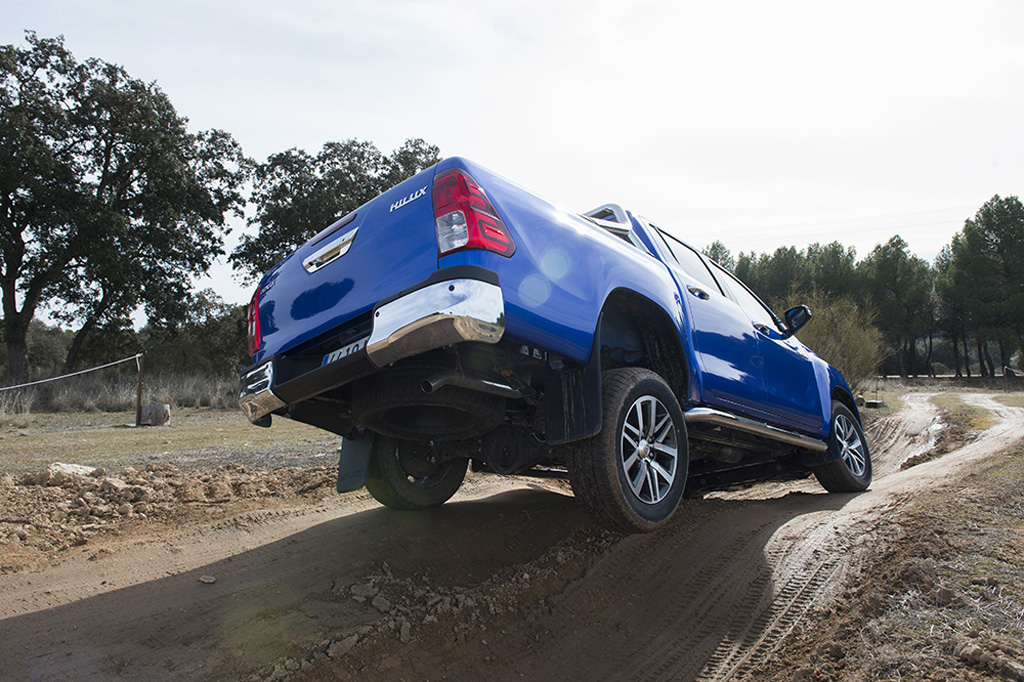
698,292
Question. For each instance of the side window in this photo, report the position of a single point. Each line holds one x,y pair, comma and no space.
688,259
726,279
751,304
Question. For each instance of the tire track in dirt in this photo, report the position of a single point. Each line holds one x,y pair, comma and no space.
736,656
660,647
912,431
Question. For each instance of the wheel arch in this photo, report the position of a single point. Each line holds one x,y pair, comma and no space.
842,395
633,323
631,331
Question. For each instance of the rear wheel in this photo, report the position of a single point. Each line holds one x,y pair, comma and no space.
849,470
632,474
405,475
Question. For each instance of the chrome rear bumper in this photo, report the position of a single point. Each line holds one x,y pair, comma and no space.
437,315
257,399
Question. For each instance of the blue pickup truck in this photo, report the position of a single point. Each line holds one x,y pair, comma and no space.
459,320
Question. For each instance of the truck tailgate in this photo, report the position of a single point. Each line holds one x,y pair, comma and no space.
336,276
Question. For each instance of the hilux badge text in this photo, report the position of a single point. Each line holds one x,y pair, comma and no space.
412,197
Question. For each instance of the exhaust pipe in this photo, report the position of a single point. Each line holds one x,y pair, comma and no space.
452,378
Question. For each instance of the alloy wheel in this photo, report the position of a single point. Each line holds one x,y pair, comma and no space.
851,445
649,449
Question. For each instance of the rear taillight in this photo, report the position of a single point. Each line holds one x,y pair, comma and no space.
465,217
255,336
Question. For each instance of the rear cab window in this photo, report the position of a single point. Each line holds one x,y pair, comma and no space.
689,260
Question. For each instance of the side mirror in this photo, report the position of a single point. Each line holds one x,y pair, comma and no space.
796,318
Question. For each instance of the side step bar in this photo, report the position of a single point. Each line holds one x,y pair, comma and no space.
706,415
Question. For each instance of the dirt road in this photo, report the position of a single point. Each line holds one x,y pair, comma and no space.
510,581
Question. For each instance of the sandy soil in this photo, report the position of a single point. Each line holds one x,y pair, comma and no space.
235,573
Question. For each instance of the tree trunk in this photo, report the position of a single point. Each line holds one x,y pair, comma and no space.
16,337
928,358
956,352
78,343
967,357
981,360
988,359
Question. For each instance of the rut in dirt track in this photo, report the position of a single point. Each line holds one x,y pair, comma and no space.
696,597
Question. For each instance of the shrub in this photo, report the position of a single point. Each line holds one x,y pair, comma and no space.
843,333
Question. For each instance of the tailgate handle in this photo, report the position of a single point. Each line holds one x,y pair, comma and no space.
330,252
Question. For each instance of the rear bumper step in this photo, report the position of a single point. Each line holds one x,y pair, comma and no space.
256,397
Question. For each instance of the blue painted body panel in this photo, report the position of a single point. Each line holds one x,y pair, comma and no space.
725,345
563,270
554,286
392,251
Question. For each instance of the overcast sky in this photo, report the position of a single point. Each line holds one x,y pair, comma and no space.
761,124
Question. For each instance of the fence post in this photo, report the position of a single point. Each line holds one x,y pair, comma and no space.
138,394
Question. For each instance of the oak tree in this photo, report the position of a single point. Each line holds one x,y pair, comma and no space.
107,200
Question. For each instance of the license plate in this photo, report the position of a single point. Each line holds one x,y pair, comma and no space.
344,351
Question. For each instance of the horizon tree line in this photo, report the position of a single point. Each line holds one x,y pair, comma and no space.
964,310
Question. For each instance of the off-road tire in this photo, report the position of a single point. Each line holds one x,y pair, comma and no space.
598,466
849,470
394,404
400,475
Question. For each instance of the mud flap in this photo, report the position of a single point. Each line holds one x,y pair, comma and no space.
353,461
573,398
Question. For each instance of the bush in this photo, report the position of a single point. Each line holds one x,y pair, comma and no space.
844,334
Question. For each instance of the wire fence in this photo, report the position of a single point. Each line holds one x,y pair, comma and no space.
135,357
117,385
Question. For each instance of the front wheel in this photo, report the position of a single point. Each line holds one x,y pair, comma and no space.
632,474
405,475
849,470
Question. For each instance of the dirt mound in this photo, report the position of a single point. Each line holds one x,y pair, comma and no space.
62,506
429,621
